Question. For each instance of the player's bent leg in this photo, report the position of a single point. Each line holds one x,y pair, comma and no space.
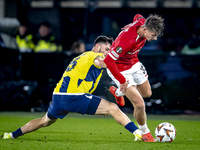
139,112
145,89
139,107
112,109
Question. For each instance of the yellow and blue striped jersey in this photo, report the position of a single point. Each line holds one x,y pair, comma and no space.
81,75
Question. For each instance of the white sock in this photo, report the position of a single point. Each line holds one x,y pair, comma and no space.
137,132
119,93
144,129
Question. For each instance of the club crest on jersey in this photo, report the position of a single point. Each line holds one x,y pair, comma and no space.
119,50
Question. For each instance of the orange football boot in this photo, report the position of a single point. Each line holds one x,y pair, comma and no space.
120,100
148,137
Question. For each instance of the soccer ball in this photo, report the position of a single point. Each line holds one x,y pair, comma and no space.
165,132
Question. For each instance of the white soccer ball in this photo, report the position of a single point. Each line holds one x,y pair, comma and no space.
165,132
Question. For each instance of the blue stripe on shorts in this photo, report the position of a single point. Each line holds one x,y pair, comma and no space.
63,104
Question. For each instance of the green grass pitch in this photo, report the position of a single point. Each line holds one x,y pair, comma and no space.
84,132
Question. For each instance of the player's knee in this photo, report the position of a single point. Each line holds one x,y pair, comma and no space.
43,122
140,105
49,122
46,121
113,108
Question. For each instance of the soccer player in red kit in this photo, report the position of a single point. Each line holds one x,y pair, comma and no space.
127,72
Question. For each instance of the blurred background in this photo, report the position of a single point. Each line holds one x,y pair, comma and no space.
38,39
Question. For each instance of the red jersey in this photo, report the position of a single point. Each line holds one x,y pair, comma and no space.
125,49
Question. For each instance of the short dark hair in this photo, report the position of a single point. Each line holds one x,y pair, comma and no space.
103,39
155,23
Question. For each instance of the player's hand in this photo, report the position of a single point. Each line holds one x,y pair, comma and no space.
123,87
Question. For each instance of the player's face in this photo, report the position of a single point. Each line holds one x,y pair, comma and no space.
150,36
104,48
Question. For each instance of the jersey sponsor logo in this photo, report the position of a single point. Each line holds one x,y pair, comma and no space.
119,50
90,97
115,54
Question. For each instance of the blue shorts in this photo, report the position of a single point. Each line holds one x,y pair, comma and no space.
63,104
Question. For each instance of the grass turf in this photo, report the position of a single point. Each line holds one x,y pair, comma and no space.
78,132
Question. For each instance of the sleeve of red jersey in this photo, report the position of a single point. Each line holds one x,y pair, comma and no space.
110,63
117,51
138,17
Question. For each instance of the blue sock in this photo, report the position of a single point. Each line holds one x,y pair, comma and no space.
131,127
17,133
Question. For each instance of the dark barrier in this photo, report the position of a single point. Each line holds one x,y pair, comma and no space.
31,77
28,79
9,65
